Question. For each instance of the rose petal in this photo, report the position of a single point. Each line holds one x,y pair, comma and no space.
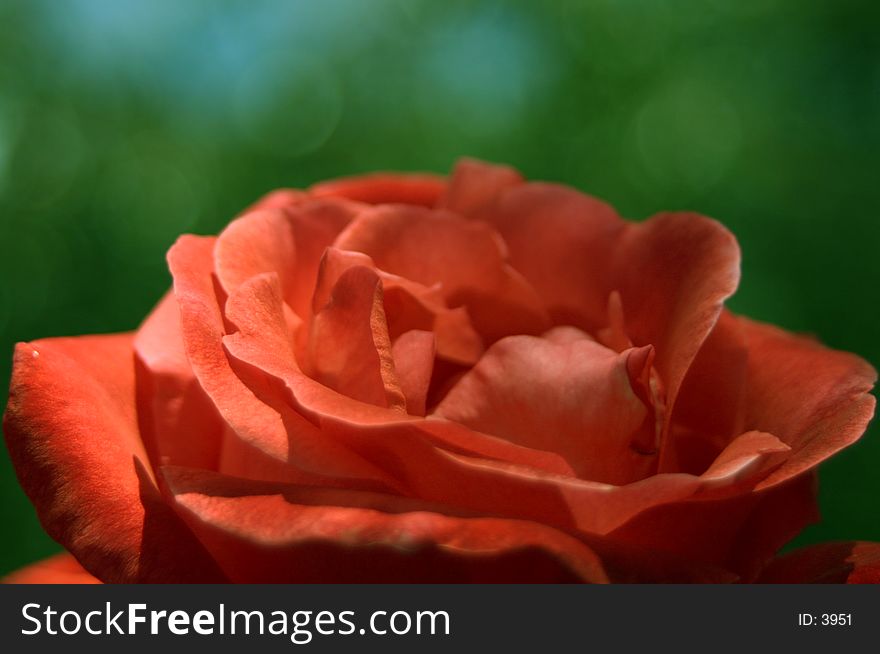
384,188
58,569
739,533
746,456
498,488
466,258
710,409
781,514
474,184
816,400
178,423
349,346
563,242
256,243
282,198
575,398
289,243
296,535
588,507
674,272
628,564
408,305
413,355
72,434
855,562
334,263
260,349
255,309
737,529
257,425
456,438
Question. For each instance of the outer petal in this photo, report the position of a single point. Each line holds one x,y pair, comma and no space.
58,569
178,423
385,188
309,535
813,398
72,434
855,562
738,533
258,427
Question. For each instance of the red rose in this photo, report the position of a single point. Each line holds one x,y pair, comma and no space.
399,378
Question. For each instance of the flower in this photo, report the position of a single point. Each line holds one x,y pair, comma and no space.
403,378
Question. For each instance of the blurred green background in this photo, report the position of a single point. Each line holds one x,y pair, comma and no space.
124,124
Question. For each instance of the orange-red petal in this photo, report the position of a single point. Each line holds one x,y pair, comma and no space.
815,399
60,568
575,398
300,535
467,260
854,562
349,348
475,184
385,188
71,431
177,421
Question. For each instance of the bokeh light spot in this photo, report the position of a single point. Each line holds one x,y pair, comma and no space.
688,134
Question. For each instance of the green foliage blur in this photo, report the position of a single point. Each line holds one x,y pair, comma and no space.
126,123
